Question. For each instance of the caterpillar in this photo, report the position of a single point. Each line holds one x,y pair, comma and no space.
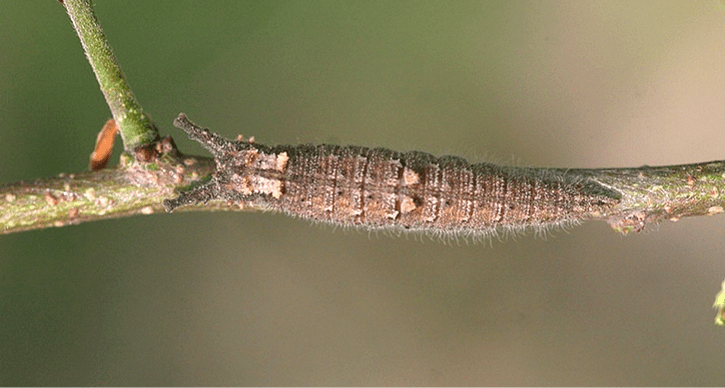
381,188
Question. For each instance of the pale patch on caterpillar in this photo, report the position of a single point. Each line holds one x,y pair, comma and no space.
380,189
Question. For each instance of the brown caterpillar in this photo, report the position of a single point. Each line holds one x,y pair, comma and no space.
380,188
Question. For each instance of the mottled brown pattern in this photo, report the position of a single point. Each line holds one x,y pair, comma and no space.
378,187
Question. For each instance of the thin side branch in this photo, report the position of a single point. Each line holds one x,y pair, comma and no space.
135,126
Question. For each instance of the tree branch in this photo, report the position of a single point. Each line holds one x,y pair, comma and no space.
134,187
651,194
628,199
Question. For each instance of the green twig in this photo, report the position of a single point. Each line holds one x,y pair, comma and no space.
135,126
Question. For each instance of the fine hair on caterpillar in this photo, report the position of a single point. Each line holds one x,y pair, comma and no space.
450,237
381,189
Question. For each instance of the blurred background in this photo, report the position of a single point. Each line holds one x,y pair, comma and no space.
263,299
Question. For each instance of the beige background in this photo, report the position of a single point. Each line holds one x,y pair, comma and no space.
260,299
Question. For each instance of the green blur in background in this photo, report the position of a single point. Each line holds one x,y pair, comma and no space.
263,299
